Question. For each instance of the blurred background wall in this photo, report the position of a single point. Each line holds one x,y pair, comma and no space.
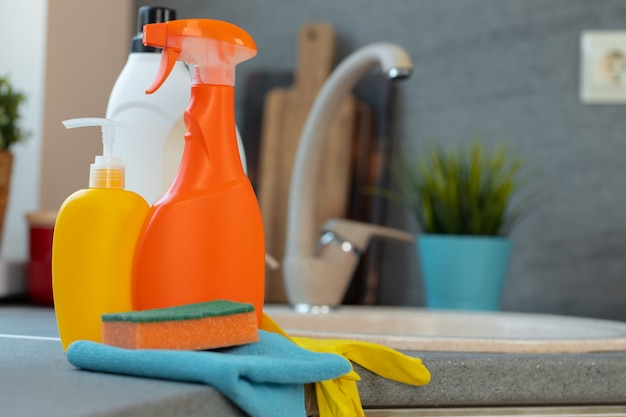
506,70
64,55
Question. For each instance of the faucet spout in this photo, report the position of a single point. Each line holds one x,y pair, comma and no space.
317,275
302,235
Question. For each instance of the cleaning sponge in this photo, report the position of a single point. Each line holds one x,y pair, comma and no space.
209,325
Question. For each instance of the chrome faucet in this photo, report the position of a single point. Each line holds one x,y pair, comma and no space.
317,271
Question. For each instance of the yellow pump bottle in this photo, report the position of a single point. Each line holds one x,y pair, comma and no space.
93,245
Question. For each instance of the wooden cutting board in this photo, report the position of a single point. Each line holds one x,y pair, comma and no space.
369,163
285,112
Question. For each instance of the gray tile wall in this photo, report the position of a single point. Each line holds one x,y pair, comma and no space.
507,70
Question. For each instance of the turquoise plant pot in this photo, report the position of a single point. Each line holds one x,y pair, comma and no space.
463,272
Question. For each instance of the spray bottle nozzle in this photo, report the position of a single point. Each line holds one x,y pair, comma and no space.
107,171
213,47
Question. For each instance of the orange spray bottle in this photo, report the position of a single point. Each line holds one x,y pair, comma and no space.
203,239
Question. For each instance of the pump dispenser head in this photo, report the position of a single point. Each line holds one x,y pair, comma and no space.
213,47
107,171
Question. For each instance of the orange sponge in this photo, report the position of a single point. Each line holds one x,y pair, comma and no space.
209,325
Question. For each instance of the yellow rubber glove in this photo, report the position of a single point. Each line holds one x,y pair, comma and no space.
340,396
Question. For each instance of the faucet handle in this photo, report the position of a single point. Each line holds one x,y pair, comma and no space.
353,236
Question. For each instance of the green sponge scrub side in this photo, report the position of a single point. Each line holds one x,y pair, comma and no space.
199,326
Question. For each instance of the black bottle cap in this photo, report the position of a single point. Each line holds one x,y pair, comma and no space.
149,14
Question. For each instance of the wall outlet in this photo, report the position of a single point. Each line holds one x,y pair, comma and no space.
603,67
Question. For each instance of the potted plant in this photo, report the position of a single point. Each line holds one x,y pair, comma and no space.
462,201
10,134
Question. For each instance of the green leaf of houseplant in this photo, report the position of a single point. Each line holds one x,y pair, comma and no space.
465,191
10,102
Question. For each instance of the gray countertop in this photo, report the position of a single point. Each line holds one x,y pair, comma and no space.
36,379
476,379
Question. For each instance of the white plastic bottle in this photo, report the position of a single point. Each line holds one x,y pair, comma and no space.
152,120
152,146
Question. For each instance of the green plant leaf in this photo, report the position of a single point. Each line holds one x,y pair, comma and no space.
465,190
10,101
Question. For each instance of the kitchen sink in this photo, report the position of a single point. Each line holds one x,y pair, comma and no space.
406,328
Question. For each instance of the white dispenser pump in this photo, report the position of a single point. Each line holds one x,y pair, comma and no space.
107,170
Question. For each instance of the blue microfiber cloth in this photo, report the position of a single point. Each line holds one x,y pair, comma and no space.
265,378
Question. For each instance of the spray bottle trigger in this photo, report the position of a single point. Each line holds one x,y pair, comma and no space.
169,56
